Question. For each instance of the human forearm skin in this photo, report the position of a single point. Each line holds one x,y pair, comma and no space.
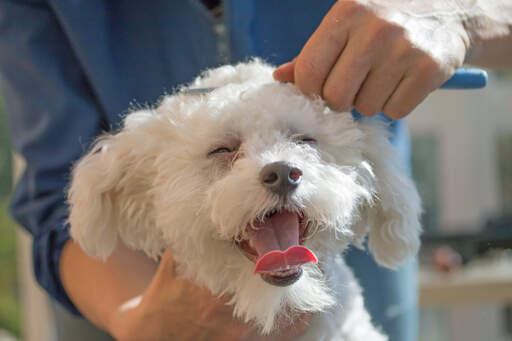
99,288
486,25
489,27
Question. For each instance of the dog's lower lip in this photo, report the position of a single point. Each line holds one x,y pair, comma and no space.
283,281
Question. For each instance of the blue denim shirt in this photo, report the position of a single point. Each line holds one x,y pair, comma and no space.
69,69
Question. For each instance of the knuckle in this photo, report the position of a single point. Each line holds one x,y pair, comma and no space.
403,52
429,74
334,38
307,77
428,67
333,96
304,69
384,31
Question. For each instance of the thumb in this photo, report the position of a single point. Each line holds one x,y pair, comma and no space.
167,264
166,270
285,72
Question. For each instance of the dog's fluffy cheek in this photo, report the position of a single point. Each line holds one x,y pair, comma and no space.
333,198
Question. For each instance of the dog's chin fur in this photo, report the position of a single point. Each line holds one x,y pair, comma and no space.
155,185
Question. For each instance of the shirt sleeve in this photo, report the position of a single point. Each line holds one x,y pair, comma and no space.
53,117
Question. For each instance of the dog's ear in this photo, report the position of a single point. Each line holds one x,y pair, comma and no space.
109,196
392,219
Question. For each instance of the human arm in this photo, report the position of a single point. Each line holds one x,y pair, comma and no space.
489,27
389,55
94,285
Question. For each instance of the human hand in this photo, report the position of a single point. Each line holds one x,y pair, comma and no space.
175,309
380,56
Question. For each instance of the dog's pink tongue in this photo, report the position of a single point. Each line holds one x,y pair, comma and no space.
277,242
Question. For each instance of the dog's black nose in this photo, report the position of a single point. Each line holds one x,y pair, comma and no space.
280,177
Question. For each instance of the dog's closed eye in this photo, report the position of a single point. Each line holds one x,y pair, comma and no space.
220,150
304,139
225,147
225,152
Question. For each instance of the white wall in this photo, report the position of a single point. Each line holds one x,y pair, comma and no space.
466,123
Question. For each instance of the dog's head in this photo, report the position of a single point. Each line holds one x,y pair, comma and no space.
252,177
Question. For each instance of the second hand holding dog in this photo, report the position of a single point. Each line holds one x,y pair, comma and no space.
193,313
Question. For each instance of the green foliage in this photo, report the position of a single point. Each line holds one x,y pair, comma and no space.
5,158
10,313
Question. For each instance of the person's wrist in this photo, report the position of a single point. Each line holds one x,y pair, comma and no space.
470,23
451,17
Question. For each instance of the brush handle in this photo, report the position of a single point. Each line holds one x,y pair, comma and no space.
466,78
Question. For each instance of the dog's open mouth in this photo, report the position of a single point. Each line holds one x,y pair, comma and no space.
276,246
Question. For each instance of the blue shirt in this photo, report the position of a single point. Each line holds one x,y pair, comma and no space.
69,69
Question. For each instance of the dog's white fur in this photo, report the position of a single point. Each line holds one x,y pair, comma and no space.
154,186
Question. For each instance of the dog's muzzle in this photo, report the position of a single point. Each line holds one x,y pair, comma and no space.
280,177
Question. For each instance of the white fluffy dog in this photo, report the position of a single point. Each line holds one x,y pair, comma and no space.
256,190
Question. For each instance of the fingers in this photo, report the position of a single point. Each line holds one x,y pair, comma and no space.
321,52
375,92
409,93
413,89
167,266
345,78
167,282
374,59
379,85
285,72
164,276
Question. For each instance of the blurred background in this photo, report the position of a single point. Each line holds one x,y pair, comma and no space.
462,163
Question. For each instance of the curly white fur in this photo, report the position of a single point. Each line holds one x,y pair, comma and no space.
155,186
